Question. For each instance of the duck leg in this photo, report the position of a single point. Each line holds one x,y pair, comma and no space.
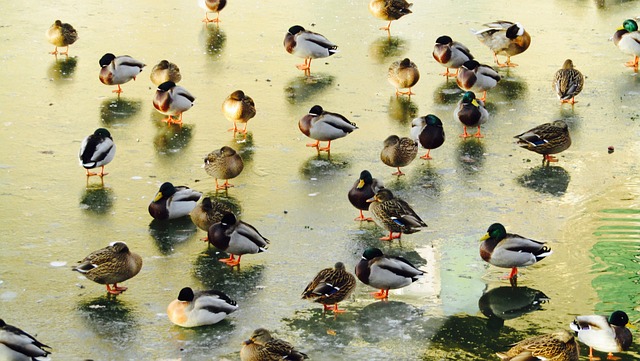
102,173
611,357
591,357
336,309
381,295
478,133
484,96
66,52
326,149
398,173
117,91
391,237
448,73
224,185
363,218
314,145
464,134
231,261
426,156
408,93
306,66
55,51
234,128
633,63
115,290
548,158
386,27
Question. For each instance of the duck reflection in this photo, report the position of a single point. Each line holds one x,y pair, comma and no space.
402,109
552,180
117,111
384,48
511,87
316,326
97,199
169,233
111,319
448,93
379,320
239,283
244,146
301,88
213,39
62,69
506,303
428,178
196,343
171,140
322,168
470,155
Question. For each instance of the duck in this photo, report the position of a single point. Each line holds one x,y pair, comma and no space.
17,345
239,108
627,39
504,38
364,188
477,77
116,70
471,113
546,139
172,100
607,335
212,6
398,152
389,10
165,71
208,212
403,74
385,272
330,286
236,238
428,131
97,150
556,346
568,82
111,265
261,346
173,202
508,250
200,308
61,34
324,126
307,45
394,214
450,54
224,163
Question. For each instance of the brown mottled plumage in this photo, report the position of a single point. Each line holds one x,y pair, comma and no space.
165,71
395,215
110,266
330,286
261,346
558,346
239,108
224,163
403,74
568,82
546,139
398,152
389,10
61,34
208,212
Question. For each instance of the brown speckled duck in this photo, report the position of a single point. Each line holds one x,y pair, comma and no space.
403,74
239,108
557,346
330,286
389,10
61,34
568,82
546,139
398,152
395,215
165,71
224,163
208,212
261,346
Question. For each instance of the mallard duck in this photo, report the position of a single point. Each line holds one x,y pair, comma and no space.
557,346
236,238
119,70
477,77
403,74
239,108
428,131
165,71
471,113
173,202
110,266
97,150
330,286
627,39
389,10
398,152
208,212
508,250
394,214
17,345
200,308
324,126
450,54
224,163
546,139
61,34
568,82
363,189
212,6
504,38
172,100
385,272
598,333
261,346
308,45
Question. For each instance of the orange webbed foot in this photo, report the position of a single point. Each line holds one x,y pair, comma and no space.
380,295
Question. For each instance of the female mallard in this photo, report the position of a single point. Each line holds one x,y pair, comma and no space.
508,250
627,39
308,45
165,71
546,139
236,238
403,74
598,333
324,126
172,100
173,202
398,152
471,113
395,215
200,308
97,150
428,131
385,272
17,345
450,54
119,70
61,34
568,82
330,286
363,189
261,346
558,346
477,77
239,108
505,38
389,10
212,6
224,163
110,266
208,212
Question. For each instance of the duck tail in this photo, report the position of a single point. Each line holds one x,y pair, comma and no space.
544,252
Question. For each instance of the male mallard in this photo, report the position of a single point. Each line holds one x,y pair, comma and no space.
172,100
212,6
119,70
363,189
450,54
165,71
239,108
395,215
173,202
389,10
428,131
557,346
385,272
330,286
236,238
568,82
324,126
308,45
598,333
261,346
627,39
61,34
208,212
403,74
110,266
398,152
97,150
505,38
471,113
509,250
546,139
224,163
200,308
477,77
17,345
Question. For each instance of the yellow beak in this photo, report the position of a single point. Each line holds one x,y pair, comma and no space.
157,197
360,184
485,237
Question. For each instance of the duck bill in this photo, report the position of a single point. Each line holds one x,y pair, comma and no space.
360,184
485,237
247,342
157,197
371,200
